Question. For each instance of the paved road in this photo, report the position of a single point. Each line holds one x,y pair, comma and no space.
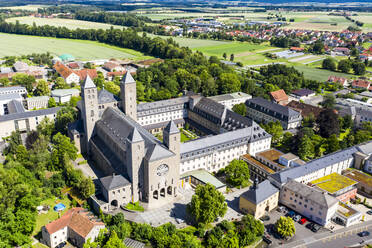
346,237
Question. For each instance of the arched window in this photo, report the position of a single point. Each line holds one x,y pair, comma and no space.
91,113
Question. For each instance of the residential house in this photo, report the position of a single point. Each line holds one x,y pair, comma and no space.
77,226
303,94
66,73
361,84
279,97
341,80
20,66
112,66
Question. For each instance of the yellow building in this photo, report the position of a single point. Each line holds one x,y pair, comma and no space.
259,199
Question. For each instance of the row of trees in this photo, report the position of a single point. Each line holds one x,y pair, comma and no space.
284,42
345,65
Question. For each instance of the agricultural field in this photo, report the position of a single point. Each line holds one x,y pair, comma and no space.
192,43
30,7
12,44
319,74
60,22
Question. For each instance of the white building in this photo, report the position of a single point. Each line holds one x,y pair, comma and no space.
24,121
7,100
64,95
314,204
229,100
37,102
77,225
13,89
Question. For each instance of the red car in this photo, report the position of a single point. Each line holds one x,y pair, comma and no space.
303,221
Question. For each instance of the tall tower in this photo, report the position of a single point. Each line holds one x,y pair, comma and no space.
90,108
128,95
135,154
172,138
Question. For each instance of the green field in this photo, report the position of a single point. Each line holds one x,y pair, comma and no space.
25,7
319,74
60,22
239,49
12,44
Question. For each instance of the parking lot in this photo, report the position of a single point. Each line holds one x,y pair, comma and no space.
302,233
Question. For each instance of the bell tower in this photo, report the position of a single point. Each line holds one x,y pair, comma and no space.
128,95
90,108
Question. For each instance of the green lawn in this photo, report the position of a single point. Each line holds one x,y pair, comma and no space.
135,207
319,74
43,219
186,137
12,44
29,7
60,22
239,49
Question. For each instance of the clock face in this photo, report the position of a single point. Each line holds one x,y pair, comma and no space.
162,170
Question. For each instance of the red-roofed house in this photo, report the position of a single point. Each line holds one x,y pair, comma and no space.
361,84
66,73
297,49
77,225
279,97
84,72
342,81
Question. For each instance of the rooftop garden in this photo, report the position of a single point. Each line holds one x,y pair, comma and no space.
333,182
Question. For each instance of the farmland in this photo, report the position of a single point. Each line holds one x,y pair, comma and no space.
59,22
25,7
319,74
12,44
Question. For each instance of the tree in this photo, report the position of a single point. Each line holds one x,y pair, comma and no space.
248,230
65,116
240,109
237,173
114,241
52,103
344,66
329,101
329,64
61,148
306,148
4,81
21,154
328,123
285,226
333,144
359,68
229,82
86,188
24,80
275,129
347,122
207,204
60,84
42,89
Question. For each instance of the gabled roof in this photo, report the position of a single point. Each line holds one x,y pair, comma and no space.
92,73
128,79
260,104
260,193
302,92
310,193
88,83
113,182
106,97
63,70
279,95
80,220
135,136
171,128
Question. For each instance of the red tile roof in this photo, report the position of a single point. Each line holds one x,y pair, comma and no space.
279,95
84,72
62,70
361,84
77,219
336,79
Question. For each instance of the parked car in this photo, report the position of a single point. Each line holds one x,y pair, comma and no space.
267,240
310,225
282,209
179,221
296,218
291,213
265,218
315,228
303,221
369,212
363,234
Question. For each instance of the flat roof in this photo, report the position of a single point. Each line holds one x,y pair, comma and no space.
360,177
333,182
258,163
205,177
271,154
